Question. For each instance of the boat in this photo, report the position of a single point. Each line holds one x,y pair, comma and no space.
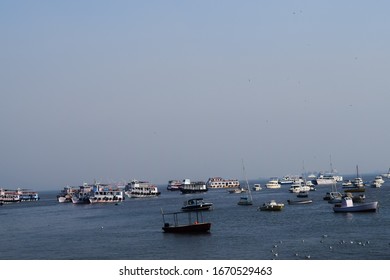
65,195
360,198
81,198
358,181
174,185
237,190
271,206
377,182
257,187
290,179
194,222
141,189
196,204
9,196
82,194
107,195
220,183
299,201
193,187
334,196
325,179
18,195
347,183
347,205
386,175
273,183
246,200
27,195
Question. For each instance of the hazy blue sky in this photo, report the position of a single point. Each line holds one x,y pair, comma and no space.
159,90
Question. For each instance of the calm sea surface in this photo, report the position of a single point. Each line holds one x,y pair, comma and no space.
48,230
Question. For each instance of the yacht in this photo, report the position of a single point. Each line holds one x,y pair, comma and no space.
273,184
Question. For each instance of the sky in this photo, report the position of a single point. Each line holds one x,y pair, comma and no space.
160,90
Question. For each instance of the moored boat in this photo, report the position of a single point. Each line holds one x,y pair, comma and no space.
196,204
299,201
273,183
271,206
194,222
347,205
257,187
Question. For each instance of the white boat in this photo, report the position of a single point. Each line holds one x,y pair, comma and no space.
237,190
386,175
9,196
141,189
377,183
18,195
347,183
289,179
257,187
193,187
273,184
379,179
325,179
220,183
347,206
358,181
298,187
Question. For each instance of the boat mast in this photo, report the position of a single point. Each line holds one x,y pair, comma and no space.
246,180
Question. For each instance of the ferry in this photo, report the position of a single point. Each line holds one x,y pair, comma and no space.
174,185
141,189
103,193
27,195
218,182
325,179
193,187
18,195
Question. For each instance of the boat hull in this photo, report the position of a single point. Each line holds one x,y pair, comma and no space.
302,201
366,207
194,228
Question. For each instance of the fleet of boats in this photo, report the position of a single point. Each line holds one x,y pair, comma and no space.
107,193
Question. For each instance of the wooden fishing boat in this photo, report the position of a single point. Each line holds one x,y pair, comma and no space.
194,222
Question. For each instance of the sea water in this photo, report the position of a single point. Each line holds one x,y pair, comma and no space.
48,230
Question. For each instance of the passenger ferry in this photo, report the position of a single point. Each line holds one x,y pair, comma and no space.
141,189
325,179
103,193
218,182
174,185
27,195
193,187
18,195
